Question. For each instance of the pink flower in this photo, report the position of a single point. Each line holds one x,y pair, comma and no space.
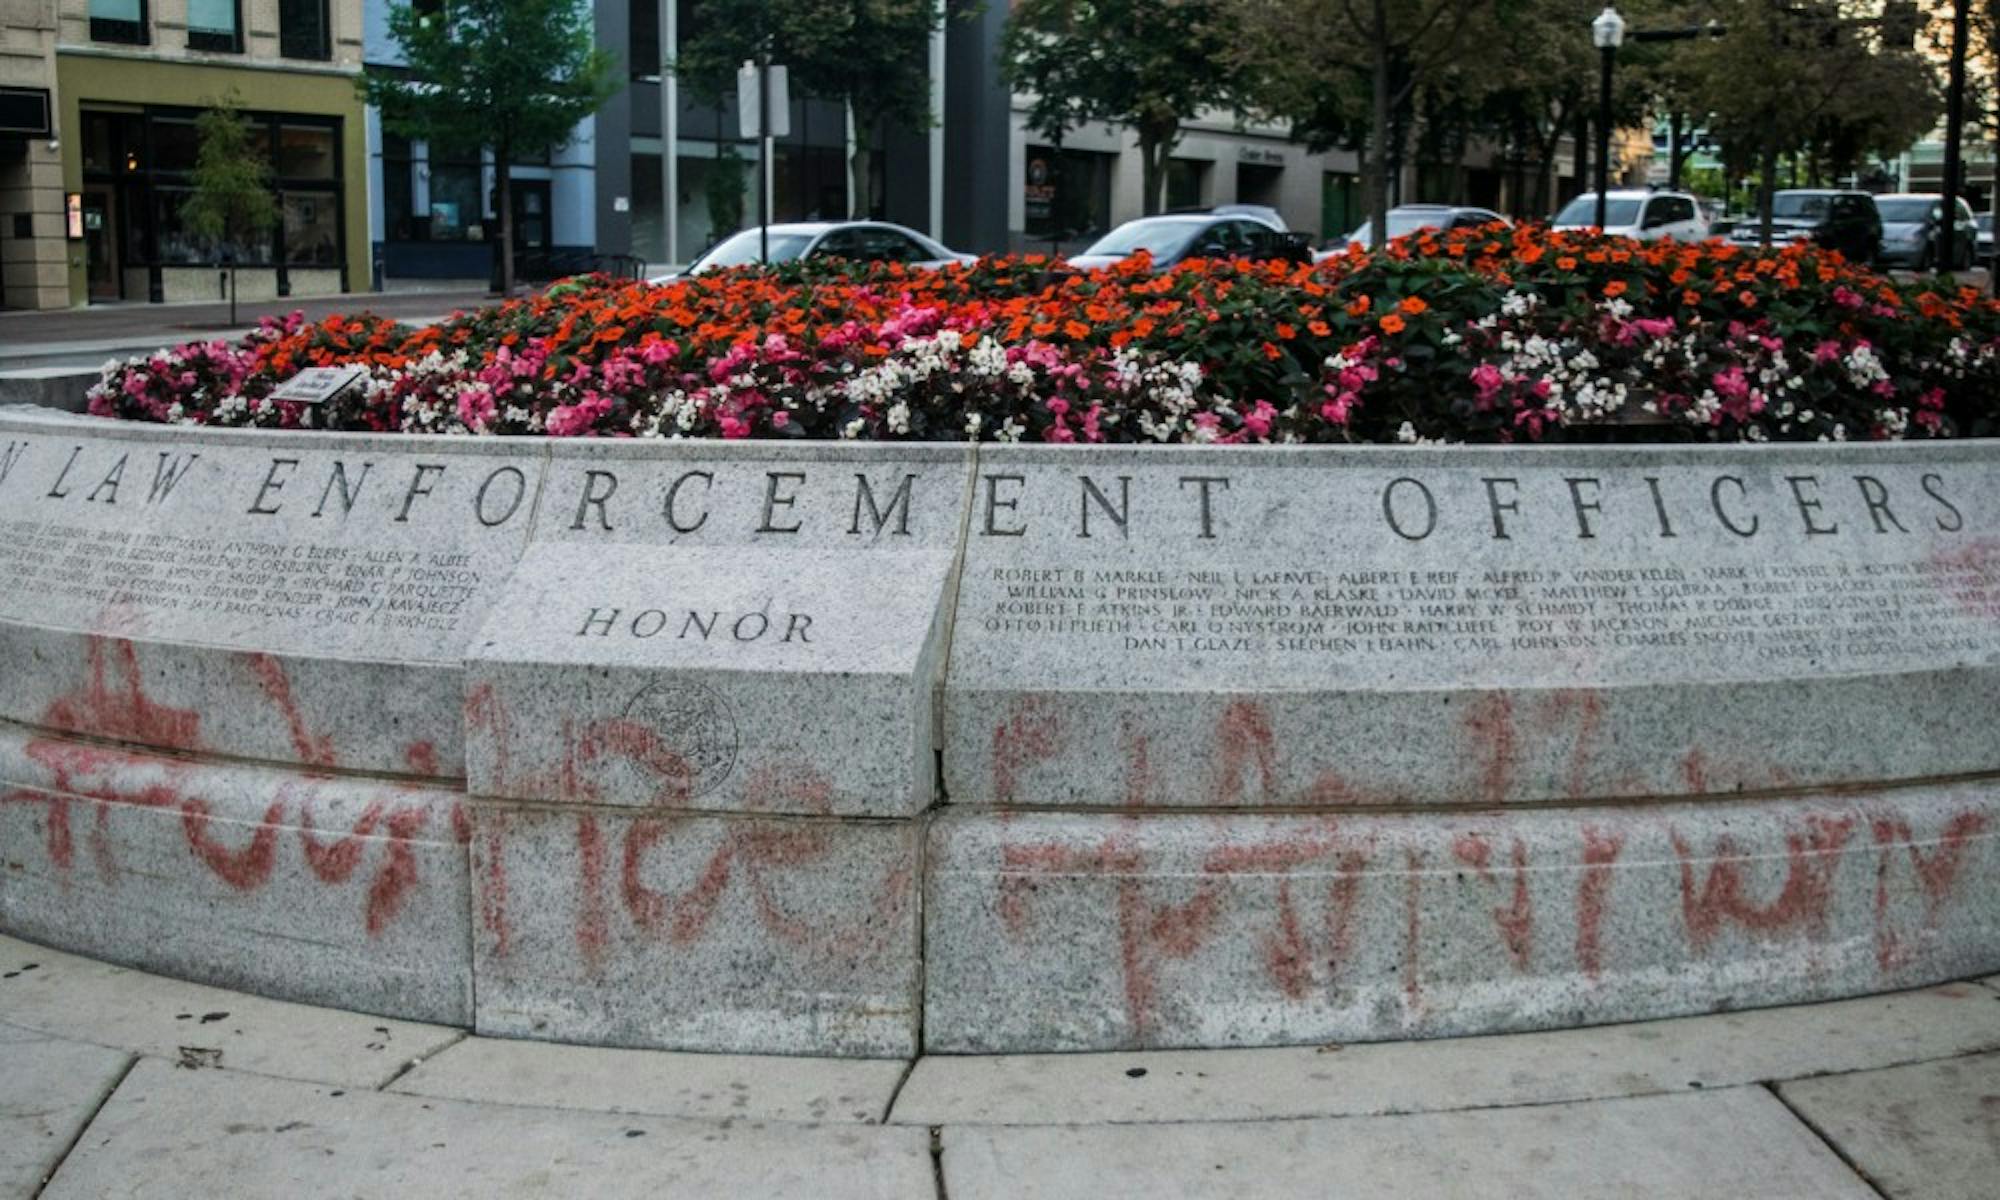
476,409
579,419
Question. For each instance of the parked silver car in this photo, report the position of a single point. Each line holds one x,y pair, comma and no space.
1646,216
856,241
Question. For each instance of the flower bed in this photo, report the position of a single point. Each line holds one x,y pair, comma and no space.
1476,335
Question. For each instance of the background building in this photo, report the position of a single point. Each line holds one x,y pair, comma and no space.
101,193
33,273
979,180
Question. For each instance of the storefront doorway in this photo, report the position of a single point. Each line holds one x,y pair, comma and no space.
100,241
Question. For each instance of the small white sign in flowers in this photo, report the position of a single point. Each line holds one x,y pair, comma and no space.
317,385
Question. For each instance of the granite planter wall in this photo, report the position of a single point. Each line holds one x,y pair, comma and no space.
816,748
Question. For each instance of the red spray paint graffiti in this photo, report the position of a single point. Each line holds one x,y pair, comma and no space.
111,702
1812,858
1937,872
1515,918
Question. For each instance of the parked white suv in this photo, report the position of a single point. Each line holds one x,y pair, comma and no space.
1647,216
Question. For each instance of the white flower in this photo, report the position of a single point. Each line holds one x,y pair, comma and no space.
1407,432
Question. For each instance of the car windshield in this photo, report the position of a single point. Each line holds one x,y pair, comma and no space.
1404,220
1795,207
741,250
1164,237
1916,209
1583,211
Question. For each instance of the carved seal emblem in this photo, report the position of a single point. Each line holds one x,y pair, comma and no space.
694,722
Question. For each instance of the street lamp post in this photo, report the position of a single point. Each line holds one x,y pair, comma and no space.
1606,32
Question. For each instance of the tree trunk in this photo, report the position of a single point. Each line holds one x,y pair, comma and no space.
502,160
1376,168
1674,158
1152,169
857,169
1582,150
1545,171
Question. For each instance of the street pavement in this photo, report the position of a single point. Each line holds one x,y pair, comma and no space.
117,1083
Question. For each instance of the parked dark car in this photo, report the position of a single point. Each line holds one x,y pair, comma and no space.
1913,227
1829,218
1983,244
1175,238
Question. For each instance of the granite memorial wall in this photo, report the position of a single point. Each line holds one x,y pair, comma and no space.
814,748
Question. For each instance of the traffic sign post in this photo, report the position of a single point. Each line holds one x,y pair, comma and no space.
763,111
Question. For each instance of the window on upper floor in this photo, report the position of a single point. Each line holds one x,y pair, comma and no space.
644,24
118,21
215,25
304,29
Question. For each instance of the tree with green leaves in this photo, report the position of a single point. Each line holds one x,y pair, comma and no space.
1309,51
1809,78
870,55
514,76
1145,64
231,205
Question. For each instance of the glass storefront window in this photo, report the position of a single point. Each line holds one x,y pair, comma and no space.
1067,196
176,144
312,228
649,228
1187,182
306,152
456,208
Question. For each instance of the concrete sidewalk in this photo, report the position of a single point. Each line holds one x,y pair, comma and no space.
90,335
116,1083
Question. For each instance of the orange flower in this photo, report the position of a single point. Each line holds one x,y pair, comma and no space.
1391,324
1614,289
1413,305
1320,329
1077,330
1359,307
1566,263
1690,297
1286,332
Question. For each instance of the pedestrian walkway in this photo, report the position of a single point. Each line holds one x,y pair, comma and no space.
89,335
113,1082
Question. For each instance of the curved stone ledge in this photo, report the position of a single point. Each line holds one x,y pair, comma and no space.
781,748
1098,932
328,890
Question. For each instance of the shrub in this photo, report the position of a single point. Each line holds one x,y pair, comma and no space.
1476,335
